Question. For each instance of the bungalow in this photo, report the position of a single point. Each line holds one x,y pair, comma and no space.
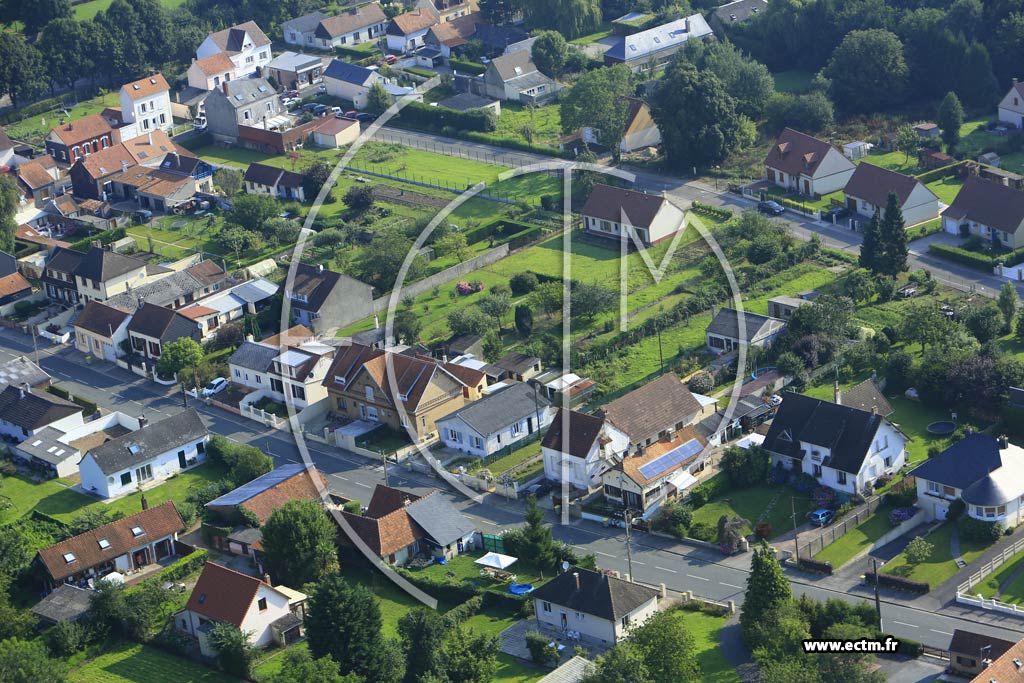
265,614
656,474
130,543
515,77
578,448
449,37
723,332
350,27
407,31
100,330
294,374
869,187
653,411
985,472
245,44
71,141
324,300
640,132
806,165
148,455
353,82
989,209
1011,107
615,213
24,413
515,366
496,421
593,605
153,326
972,653
56,452
13,288
276,182
294,71
842,447
652,49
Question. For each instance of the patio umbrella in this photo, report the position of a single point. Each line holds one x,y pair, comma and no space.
113,577
497,561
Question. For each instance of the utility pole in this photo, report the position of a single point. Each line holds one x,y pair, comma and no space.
661,357
628,517
796,545
384,459
878,600
184,396
35,346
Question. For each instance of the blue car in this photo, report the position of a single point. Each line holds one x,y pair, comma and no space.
821,516
770,208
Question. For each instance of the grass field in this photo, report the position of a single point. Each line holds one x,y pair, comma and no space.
87,10
516,457
543,121
940,566
1014,592
705,630
751,503
894,161
795,81
24,496
132,663
603,31
846,547
946,188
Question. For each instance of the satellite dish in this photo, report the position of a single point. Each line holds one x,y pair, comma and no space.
565,565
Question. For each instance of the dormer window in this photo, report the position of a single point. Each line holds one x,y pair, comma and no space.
137,531
786,435
104,543
338,379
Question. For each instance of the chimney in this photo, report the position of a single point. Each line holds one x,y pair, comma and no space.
28,387
145,503
149,138
319,268
142,421
874,410
250,338
266,580
837,395
576,575
21,391
1004,442
1015,81
686,25
376,322
712,311
224,88
142,301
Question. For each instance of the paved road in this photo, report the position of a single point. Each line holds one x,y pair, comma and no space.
655,560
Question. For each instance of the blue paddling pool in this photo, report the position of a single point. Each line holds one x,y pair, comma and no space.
520,588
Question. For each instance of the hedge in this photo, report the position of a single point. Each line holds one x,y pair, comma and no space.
713,211
422,114
353,53
808,564
416,71
445,591
105,237
88,407
524,237
456,615
1015,257
185,565
938,173
898,582
465,65
968,258
58,391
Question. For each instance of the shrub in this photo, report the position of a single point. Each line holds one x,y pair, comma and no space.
698,497
981,531
66,638
702,382
824,497
353,507
968,258
712,211
523,283
541,650
763,530
901,499
703,532
898,582
458,614
900,515
956,509
811,565
185,566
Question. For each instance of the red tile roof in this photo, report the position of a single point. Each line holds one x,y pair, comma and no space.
224,595
86,128
146,87
13,283
299,487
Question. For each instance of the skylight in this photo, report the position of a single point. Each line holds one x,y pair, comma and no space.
69,557
133,448
104,544
137,531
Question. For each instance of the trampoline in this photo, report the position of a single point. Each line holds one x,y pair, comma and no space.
941,428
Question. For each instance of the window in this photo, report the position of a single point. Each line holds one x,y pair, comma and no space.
270,106
263,55
259,380
579,616
262,604
144,473
248,60
478,442
369,393
276,385
238,373
841,478
163,118
966,661
201,447
546,606
625,621
933,487
454,436
298,392
69,557
246,115
949,491
126,478
888,461
137,531
817,471
517,429
104,544
145,124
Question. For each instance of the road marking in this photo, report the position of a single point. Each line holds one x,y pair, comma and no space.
366,486
598,552
664,569
722,583
639,562
700,578
945,633
901,623
339,477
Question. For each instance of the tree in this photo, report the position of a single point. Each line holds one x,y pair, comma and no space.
1008,302
745,467
63,45
767,588
859,286
923,323
36,15
298,542
547,298
534,540
499,12
469,657
380,265
669,649
181,354
314,178
811,112
549,53
229,180
300,667
26,661
523,283
849,667
524,320
951,118
235,654
871,247
571,18
542,650
92,518
464,321
907,141
788,671
8,208
702,382
624,663
918,550
330,239
21,68
598,100
496,305
422,632
867,71
377,99
590,300
699,121
243,462
251,211
492,346
984,322
892,240
453,243
746,79
408,326
359,198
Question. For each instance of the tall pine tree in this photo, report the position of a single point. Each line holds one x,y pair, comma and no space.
893,239
869,248
767,588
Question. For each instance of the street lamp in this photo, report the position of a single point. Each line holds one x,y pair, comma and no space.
878,600
627,516
717,171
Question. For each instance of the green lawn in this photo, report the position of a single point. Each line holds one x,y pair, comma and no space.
514,458
603,31
795,81
946,188
275,661
941,565
34,129
133,663
1014,592
87,10
23,496
894,161
846,547
543,121
705,630
750,503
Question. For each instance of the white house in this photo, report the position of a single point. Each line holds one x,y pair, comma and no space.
246,44
145,107
145,456
247,298
985,472
659,473
868,191
24,412
989,209
353,82
844,448
611,212
593,606
100,329
1011,107
649,50
723,333
351,27
578,448
57,452
294,374
806,165
406,32
497,420
267,614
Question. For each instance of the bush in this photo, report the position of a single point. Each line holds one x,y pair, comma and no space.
185,566
956,509
968,258
763,530
811,565
703,532
900,515
458,614
420,114
523,283
901,499
474,68
541,650
353,507
981,531
898,582
66,638
701,383
712,211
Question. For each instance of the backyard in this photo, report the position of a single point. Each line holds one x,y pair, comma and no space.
35,128
706,631
940,566
133,663
772,504
1006,585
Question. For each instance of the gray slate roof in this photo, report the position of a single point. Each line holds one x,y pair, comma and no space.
349,73
987,474
599,595
33,410
162,292
654,40
244,91
19,370
304,24
100,264
66,603
148,442
572,671
442,522
726,324
493,413
47,438
254,356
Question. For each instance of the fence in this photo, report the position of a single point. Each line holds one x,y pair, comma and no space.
994,605
990,566
453,188
840,528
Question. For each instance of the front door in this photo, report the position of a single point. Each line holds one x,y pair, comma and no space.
807,186
565,621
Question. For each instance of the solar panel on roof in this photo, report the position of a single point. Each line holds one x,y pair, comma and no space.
258,485
671,459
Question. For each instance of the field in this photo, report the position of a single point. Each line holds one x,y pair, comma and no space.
87,10
543,121
705,630
132,663
24,496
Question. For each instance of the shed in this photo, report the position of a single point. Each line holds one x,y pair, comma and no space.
336,132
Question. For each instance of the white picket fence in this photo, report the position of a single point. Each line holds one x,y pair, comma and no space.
964,597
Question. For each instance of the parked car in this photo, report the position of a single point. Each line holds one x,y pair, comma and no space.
215,387
199,122
310,106
774,400
821,516
289,101
320,110
835,214
336,110
770,208
365,117
537,490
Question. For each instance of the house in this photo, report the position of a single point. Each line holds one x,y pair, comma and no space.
652,49
66,603
13,287
653,411
806,165
100,330
748,414
640,132
56,452
24,413
294,374
210,72
58,276
737,12
398,525
91,176
189,166
145,107
594,605
20,371
989,209
276,182
407,31
69,142
360,387
147,455
972,653
294,71
578,448
723,332
566,389
153,326
465,101
985,472
245,44
223,596
1011,107
335,133
868,190
516,366
515,77
450,37
103,274
175,290
865,396
496,421
615,213
656,474
351,27
247,298
448,10
1004,668
324,300
464,344
353,82
42,179
130,543
842,447
783,307
249,102
928,131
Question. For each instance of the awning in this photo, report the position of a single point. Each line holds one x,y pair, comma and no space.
750,440
497,561
682,480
